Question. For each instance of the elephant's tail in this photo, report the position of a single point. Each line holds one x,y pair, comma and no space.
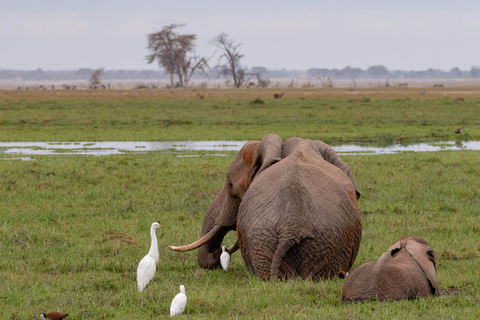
283,246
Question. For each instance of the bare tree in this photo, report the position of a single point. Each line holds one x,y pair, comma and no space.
95,78
229,61
326,82
174,53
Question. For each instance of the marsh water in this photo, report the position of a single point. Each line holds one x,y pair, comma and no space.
103,148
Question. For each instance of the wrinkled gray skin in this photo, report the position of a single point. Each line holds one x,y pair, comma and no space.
406,271
294,206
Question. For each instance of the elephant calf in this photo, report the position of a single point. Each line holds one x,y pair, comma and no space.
406,271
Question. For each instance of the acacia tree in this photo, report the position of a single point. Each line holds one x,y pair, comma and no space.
95,78
174,53
229,61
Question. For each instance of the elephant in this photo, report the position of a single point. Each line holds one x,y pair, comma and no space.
294,207
406,271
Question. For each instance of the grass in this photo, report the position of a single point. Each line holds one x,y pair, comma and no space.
73,228
156,116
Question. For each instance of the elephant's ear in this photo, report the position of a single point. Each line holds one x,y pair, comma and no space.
331,156
268,152
425,257
394,248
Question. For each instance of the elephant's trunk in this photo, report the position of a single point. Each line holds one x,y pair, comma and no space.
200,242
209,254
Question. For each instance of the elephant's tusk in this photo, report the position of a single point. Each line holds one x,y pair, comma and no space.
200,242
233,248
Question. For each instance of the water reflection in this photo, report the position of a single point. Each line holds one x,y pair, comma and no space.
119,147
103,148
398,148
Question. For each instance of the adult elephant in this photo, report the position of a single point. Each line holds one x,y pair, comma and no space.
406,271
294,207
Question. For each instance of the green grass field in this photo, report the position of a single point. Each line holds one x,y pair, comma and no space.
336,116
73,228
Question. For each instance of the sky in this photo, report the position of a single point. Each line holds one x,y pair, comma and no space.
276,34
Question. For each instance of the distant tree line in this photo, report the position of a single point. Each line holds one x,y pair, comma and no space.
80,74
345,73
379,72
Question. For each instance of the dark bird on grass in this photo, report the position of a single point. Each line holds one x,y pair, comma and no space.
459,130
278,95
53,315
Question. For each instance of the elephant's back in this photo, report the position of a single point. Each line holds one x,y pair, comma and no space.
306,182
360,284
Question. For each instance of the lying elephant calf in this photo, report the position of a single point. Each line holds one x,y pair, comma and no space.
406,271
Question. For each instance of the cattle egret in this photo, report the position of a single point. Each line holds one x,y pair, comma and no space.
148,265
53,315
179,302
225,259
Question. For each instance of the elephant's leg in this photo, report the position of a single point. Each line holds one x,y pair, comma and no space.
257,250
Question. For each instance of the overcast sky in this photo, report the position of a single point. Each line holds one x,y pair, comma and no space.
277,34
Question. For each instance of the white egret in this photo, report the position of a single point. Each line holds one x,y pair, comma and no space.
179,302
225,259
148,265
